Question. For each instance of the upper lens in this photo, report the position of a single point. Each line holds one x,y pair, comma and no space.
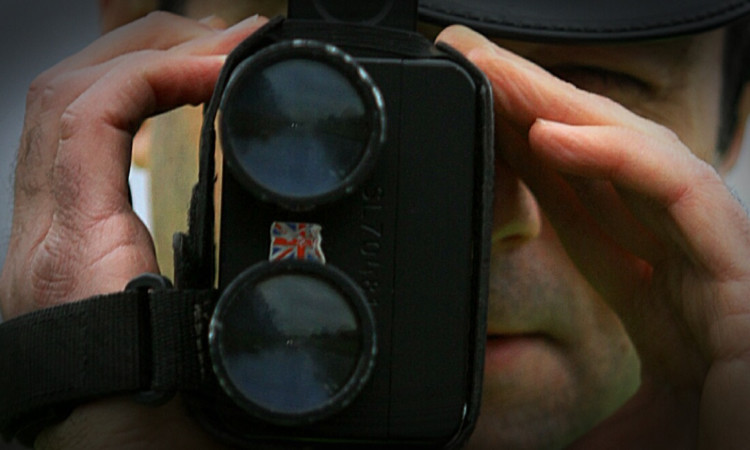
301,123
292,342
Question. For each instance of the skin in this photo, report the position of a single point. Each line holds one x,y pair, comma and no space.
618,310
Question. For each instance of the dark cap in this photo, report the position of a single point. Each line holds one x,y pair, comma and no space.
585,20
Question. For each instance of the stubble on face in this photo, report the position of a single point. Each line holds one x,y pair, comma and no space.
563,362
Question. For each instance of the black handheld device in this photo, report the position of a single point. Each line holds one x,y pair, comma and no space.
354,230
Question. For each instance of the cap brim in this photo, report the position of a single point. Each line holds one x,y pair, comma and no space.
585,20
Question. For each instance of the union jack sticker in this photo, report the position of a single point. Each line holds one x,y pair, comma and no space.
293,240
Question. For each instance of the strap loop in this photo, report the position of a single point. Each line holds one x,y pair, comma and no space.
144,284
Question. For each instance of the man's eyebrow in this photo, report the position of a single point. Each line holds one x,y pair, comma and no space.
658,62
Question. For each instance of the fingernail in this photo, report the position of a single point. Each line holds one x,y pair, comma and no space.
220,58
244,23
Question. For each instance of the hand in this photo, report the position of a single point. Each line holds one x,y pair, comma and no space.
654,230
74,233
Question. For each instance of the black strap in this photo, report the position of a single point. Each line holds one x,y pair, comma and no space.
147,343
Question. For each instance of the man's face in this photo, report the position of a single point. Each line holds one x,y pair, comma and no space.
558,360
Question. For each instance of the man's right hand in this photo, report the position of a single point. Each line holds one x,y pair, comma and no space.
74,232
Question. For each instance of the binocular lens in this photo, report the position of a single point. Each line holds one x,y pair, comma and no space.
301,123
292,342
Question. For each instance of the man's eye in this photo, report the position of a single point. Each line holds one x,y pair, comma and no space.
602,81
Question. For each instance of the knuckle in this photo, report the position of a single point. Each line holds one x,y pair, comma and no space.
670,135
38,86
53,94
158,19
71,122
667,134
49,85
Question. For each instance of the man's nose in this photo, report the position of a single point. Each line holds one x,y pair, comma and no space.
516,216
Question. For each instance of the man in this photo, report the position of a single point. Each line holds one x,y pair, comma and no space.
620,275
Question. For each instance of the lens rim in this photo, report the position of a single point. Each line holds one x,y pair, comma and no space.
364,85
360,307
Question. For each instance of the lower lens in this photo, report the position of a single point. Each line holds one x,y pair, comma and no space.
292,342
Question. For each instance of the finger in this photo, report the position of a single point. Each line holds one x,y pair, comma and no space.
164,31
42,125
675,193
613,271
157,30
222,41
161,32
523,91
605,204
55,89
97,128
60,90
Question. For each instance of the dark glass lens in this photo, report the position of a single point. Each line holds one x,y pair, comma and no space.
289,345
297,126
